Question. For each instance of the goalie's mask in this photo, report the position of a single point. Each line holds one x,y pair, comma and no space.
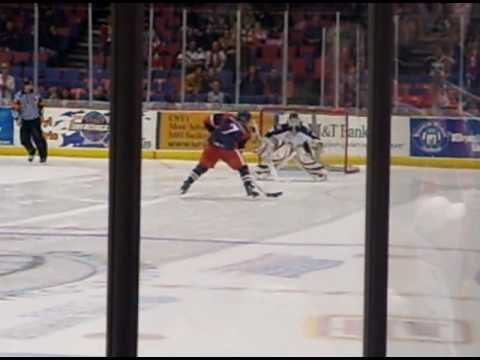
294,120
244,117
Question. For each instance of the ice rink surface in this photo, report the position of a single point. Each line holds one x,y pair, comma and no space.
227,275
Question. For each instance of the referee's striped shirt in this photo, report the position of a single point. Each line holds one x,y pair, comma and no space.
29,105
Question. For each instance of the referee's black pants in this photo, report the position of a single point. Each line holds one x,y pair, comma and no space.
31,129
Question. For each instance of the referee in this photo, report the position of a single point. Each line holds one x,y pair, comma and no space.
28,107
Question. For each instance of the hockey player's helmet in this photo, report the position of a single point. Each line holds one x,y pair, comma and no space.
244,116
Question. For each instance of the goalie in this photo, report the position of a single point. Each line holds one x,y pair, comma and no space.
292,140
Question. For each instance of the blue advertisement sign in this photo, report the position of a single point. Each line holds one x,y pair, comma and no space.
6,126
445,137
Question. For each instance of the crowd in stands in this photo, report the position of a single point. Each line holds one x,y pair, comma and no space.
437,27
59,30
211,58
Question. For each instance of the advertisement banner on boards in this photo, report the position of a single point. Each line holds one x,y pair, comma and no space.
184,130
445,137
6,126
333,131
83,128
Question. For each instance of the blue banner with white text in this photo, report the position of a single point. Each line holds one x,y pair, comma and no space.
6,126
445,137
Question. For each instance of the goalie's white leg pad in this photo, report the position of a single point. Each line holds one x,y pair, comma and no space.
262,169
312,167
262,172
317,172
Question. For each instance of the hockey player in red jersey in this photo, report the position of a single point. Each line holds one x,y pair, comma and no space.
228,135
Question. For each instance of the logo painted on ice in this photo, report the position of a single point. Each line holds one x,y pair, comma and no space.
400,328
431,138
278,265
10,264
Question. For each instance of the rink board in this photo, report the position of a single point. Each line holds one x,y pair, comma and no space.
193,155
180,135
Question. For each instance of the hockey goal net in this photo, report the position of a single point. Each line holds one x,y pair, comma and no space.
331,126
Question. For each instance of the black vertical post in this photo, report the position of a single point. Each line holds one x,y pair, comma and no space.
125,175
380,66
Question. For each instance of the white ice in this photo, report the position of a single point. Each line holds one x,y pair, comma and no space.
227,275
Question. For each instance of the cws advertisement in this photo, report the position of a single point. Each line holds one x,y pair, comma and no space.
81,128
445,137
184,130
6,126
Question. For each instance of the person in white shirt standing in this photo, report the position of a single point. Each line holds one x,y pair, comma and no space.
7,84
27,109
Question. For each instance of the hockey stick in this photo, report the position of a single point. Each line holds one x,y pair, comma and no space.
268,194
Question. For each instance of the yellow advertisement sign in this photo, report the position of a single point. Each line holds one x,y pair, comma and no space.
184,130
